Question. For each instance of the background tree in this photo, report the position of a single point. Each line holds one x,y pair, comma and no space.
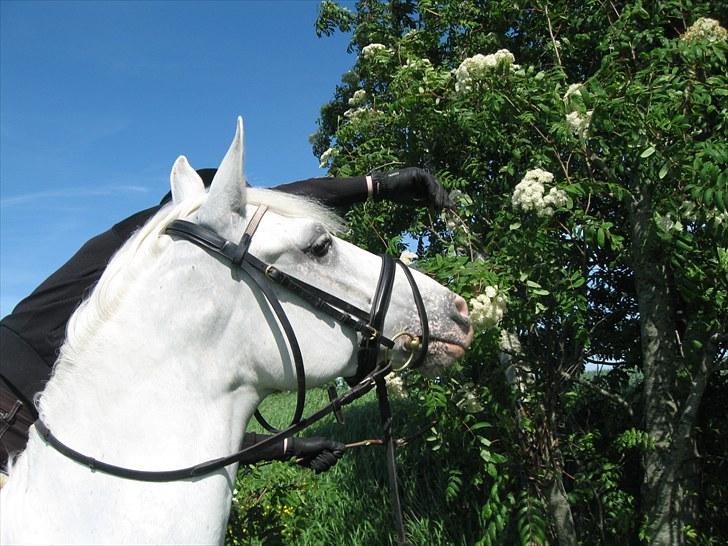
586,143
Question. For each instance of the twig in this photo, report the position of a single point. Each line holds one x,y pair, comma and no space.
553,39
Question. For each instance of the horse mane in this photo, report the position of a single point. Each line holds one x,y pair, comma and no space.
146,243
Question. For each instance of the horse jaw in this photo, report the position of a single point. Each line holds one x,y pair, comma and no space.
225,205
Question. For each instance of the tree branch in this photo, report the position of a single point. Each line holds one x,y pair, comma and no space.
688,415
605,393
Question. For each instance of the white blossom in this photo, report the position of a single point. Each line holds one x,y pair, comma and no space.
576,119
579,123
359,98
407,257
705,28
353,113
574,90
486,311
372,50
326,157
395,386
556,198
418,63
528,194
478,66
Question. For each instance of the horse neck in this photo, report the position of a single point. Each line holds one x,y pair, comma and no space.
139,398
156,377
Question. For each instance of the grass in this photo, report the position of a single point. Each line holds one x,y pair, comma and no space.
281,503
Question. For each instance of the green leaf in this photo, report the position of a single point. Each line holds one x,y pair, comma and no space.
720,201
663,171
601,237
647,152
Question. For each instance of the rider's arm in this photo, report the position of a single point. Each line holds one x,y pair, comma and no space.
333,192
410,185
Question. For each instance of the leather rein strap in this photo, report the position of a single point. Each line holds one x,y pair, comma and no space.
212,465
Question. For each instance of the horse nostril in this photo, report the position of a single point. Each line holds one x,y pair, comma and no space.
461,317
462,306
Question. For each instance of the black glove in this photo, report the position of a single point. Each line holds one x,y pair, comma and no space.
409,185
318,454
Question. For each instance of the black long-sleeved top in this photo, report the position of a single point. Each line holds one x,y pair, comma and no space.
33,333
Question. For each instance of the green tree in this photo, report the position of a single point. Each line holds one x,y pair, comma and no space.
586,143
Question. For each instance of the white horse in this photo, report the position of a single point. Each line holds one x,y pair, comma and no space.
168,358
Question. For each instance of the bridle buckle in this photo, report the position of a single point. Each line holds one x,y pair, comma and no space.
373,332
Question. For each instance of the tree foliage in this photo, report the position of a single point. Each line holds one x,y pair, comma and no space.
585,143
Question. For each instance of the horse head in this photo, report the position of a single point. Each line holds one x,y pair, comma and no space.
299,238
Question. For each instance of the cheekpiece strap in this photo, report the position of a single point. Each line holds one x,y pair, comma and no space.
242,248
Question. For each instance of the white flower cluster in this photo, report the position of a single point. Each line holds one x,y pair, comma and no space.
579,123
577,120
487,309
407,257
705,29
372,50
528,194
353,113
326,157
359,98
395,386
477,67
413,63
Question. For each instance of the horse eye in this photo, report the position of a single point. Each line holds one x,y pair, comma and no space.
320,247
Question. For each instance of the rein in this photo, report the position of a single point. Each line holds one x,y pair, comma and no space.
369,374
214,464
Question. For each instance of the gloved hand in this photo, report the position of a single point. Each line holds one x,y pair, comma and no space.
318,454
409,185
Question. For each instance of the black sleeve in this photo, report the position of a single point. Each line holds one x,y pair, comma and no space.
41,318
332,192
272,452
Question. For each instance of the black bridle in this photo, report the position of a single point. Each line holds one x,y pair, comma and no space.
370,372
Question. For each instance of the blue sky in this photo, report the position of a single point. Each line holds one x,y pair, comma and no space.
97,100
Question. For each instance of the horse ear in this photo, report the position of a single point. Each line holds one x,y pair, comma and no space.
185,181
227,190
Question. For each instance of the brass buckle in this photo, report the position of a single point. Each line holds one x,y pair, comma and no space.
373,332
